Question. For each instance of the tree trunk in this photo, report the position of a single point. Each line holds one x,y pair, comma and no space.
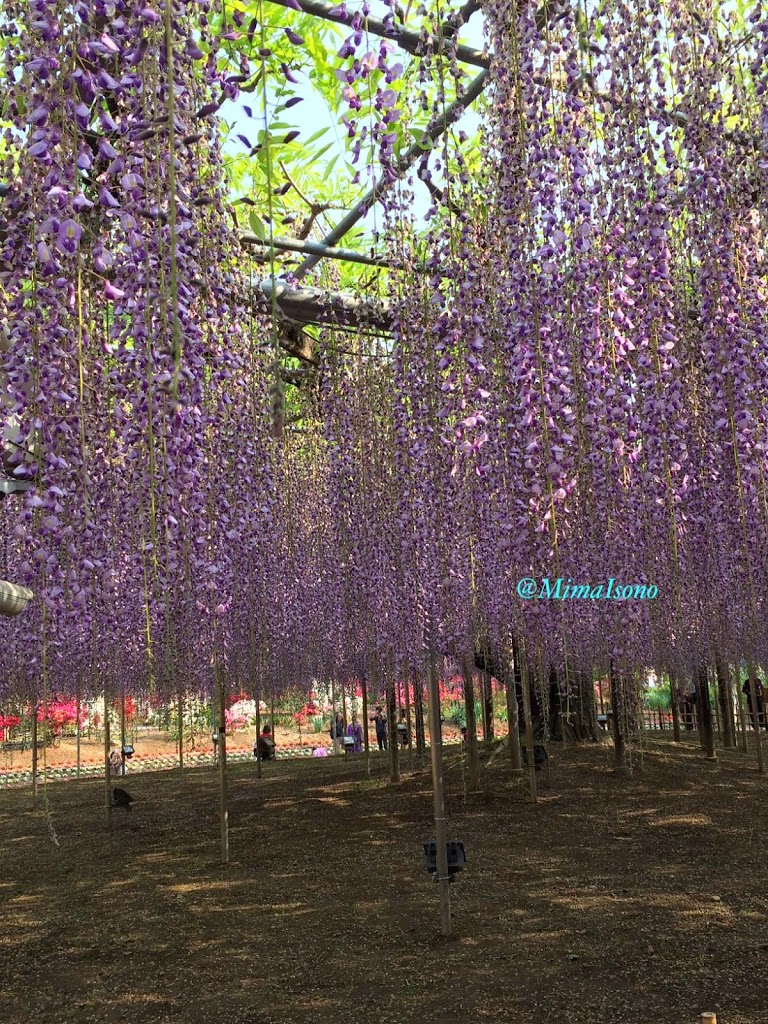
617,721
718,718
418,701
674,703
725,699
469,702
585,727
394,753
511,680
258,728
753,703
487,692
706,730
407,685
334,709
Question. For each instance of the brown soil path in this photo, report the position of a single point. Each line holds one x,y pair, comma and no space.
612,900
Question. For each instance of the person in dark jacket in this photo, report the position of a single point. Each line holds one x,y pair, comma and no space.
756,706
264,747
337,733
380,721
402,729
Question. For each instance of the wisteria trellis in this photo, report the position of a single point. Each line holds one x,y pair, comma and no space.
576,388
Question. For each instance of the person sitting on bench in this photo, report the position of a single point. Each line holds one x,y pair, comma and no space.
264,747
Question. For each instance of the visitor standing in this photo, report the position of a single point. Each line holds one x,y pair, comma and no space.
689,705
355,730
337,733
380,721
756,706
115,761
402,729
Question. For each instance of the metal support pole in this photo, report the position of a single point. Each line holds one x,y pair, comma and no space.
511,677
469,702
392,717
107,765
78,725
441,831
181,733
34,749
740,704
122,733
528,726
366,723
310,248
220,704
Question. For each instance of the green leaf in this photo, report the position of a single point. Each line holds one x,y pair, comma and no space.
257,225
316,136
316,156
329,168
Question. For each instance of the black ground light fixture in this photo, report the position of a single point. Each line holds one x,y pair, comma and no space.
457,858
121,798
127,751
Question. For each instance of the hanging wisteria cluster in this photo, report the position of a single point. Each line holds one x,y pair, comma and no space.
601,345
135,376
576,388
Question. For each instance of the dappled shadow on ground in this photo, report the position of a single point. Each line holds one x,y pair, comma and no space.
610,900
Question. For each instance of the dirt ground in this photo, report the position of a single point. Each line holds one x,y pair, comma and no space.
612,900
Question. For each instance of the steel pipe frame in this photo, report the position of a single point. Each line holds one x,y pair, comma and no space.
313,249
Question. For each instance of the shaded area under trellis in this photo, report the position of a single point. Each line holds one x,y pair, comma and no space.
588,896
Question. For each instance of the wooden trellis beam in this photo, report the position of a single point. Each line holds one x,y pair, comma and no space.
315,306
